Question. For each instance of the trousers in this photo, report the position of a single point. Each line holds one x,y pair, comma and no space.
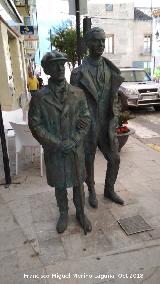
62,199
113,161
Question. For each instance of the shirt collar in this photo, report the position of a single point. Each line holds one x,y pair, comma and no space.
95,63
56,87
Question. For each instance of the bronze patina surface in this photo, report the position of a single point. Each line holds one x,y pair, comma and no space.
100,79
56,115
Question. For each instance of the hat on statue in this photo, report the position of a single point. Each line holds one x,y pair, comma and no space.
52,56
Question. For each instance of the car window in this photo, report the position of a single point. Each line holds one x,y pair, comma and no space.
128,76
141,76
135,76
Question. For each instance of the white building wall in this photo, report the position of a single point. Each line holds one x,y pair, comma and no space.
12,79
7,90
141,28
128,33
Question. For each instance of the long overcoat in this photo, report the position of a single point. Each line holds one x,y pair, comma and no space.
51,122
108,114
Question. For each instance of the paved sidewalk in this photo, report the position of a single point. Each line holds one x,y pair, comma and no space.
31,251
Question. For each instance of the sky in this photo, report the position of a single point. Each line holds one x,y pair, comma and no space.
49,15
52,12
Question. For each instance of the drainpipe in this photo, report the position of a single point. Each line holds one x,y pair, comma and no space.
78,31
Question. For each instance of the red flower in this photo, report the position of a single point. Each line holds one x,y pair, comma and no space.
122,129
122,122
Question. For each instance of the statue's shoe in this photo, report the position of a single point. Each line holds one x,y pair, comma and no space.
112,195
93,200
62,223
87,222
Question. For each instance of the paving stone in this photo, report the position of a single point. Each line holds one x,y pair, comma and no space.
21,213
154,221
150,275
152,205
12,239
51,250
118,264
28,216
7,223
27,258
16,260
42,227
1,200
4,210
43,207
29,276
126,211
45,235
8,262
82,269
7,220
73,245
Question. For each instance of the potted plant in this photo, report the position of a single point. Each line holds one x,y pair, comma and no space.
122,130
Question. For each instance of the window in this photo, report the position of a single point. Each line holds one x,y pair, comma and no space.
147,67
27,21
109,7
147,64
123,6
147,44
20,2
109,44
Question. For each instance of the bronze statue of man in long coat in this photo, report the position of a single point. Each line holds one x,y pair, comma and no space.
100,79
54,115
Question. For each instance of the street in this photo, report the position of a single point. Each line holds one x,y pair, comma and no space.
32,252
111,50
146,123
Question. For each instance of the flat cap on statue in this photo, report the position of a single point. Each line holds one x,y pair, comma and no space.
90,33
54,55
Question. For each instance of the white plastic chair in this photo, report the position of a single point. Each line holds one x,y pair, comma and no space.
14,116
24,138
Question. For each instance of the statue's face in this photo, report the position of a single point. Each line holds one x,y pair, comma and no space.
56,70
96,44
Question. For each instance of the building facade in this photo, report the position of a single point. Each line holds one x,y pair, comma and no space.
16,57
128,33
156,41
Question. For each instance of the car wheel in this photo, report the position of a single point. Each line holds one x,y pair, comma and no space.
157,108
122,103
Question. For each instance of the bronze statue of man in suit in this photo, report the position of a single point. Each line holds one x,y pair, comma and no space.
55,113
100,79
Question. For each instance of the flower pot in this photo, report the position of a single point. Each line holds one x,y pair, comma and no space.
123,137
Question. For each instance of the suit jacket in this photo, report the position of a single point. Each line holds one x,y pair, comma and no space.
51,122
80,77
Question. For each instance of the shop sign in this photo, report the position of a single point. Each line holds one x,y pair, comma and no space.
27,30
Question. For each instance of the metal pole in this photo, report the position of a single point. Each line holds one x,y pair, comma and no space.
50,39
4,151
80,185
151,47
78,31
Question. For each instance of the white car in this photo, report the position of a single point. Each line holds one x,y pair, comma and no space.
138,89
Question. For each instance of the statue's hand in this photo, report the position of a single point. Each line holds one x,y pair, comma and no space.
81,124
67,146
